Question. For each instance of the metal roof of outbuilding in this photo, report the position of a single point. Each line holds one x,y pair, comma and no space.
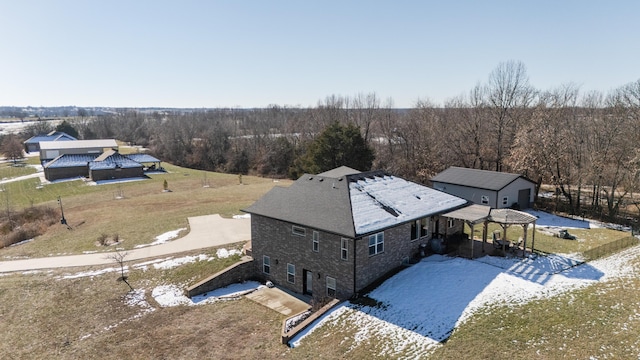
482,179
78,144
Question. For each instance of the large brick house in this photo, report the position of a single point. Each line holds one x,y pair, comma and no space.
335,233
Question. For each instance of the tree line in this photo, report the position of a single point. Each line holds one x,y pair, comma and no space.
582,144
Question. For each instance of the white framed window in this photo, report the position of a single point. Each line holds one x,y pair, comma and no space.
505,201
344,248
451,223
266,264
331,286
376,243
297,230
484,199
316,241
291,273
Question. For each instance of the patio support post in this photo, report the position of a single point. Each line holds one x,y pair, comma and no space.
484,235
524,229
533,236
471,238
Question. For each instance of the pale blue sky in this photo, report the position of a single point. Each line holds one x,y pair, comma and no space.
255,53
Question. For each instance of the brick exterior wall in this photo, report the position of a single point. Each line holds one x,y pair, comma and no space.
275,239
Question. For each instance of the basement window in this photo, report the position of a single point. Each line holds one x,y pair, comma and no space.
299,231
484,199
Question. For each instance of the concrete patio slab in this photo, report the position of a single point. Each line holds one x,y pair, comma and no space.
279,301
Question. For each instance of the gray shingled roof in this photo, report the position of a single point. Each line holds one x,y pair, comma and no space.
481,179
314,201
353,204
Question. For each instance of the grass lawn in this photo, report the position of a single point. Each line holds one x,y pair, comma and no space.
145,212
601,321
8,170
586,238
88,317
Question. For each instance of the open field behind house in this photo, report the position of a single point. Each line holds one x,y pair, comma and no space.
144,213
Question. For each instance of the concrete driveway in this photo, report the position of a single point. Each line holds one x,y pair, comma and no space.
205,231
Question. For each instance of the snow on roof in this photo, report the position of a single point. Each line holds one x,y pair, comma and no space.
379,202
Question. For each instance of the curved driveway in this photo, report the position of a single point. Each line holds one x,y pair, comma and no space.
205,231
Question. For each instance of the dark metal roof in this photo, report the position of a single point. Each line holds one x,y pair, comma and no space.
52,136
113,160
143,158
70,160
107,160
481,179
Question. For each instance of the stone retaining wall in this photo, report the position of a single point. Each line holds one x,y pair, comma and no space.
236,273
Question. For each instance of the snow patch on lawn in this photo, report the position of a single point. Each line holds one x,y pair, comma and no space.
224,253
173,295
163,238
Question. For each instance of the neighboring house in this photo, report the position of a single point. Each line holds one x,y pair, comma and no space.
109,165
52,149
33,144
336,233
495,189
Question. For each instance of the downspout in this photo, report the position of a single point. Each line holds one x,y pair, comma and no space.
354,267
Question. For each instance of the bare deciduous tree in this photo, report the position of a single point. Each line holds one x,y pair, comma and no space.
508,95
119,258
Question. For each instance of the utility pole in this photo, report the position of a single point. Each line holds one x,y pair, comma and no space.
63,221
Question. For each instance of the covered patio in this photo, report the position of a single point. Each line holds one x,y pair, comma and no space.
475,215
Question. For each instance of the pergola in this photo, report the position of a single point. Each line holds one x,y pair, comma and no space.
475,214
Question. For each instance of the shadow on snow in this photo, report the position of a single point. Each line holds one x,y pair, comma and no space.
430,298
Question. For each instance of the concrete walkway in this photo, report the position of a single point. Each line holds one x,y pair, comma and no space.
279,301
205,231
